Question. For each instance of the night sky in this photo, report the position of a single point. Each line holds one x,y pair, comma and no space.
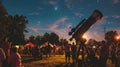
60,15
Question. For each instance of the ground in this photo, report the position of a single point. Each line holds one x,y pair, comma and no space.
53,61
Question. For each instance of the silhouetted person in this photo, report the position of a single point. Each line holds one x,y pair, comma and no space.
104,52
67,52
73,49
54,50
93,60
2,56
15,58
118,56
48,49
6,48
35,52
113,54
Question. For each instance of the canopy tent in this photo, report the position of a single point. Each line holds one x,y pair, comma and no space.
30,44
46,44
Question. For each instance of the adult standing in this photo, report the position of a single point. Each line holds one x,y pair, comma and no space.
92,57
15,58
6,48
104,53
67,52
113,54
118,56
73,49
48,49
2,56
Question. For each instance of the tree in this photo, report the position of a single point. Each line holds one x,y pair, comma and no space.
12,27
16,29
37,40
3,11
46,37
62,42
53,38
3,22
110,36
32,39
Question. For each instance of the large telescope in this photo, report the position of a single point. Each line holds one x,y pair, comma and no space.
84,25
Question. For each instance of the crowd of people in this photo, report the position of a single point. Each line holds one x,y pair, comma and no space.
96,57
9,56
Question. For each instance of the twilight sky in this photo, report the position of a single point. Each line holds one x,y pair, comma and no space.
59,15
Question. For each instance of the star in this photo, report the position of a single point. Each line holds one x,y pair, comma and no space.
56,8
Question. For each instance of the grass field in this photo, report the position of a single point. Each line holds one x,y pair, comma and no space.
53,61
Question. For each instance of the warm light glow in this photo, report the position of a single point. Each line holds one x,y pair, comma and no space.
84,36
117,37
94,46
17,46
80,50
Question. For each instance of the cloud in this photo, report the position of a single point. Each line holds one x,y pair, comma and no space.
52,2
94,35
116,1
78,14
34,29
59,21
37,30
116,16
69,25
118,31
40,8
68,3
34,13
62,32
